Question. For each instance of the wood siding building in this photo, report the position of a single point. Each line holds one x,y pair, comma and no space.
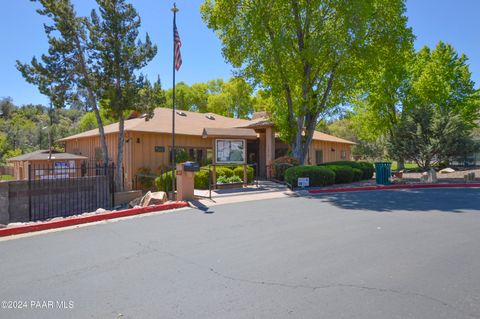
148,142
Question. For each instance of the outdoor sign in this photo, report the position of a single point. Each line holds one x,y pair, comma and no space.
303,182
230,151
60,166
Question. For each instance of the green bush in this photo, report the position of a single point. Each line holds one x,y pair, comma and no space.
357,174
318,175
343,173
181,156
222,180
144,179
235,179
164,180
238,171
201,179
367,168
281,164
224,171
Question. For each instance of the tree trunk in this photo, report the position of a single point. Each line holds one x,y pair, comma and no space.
92,98
103,142
401,164
121,142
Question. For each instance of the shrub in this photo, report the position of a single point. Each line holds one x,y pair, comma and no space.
281,164
238,171
318,175
224,171
235,179
164,180
357,174
144,181
343,174
367,168
201,179
181,156
228,180
222,180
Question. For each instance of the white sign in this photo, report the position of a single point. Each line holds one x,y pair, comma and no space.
303,182
230,151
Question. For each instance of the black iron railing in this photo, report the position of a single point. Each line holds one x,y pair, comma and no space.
61,189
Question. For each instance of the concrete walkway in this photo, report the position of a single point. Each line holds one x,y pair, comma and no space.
265,190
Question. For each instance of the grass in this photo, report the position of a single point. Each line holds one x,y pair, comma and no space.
6,178
407,166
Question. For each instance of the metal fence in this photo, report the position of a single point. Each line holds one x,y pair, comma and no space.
6,170
60,191
154,182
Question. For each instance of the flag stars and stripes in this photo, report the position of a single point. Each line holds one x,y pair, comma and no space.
177,45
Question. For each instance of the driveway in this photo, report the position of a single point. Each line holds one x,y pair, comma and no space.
382,254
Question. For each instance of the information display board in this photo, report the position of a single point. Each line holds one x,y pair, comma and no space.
230,151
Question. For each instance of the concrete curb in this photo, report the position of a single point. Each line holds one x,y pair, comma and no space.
77,220
388,187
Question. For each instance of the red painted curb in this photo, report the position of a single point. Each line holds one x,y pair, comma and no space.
87,219
387,187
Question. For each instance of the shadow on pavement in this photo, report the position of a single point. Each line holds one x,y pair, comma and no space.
452,200
202,207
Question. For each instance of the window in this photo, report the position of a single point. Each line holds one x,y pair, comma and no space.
98,154
199,155
343,154
318,157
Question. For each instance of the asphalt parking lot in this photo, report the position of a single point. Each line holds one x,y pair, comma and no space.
381,254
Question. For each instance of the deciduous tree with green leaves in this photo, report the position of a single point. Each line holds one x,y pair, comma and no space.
440,110
309,54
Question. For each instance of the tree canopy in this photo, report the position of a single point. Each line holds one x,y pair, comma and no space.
309,54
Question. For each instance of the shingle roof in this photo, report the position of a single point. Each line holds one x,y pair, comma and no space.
186,123
229,132
319,136
191,123
44,155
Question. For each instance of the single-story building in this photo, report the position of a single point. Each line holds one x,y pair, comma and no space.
45,164
148,141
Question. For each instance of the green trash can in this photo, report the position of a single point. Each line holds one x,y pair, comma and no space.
383,172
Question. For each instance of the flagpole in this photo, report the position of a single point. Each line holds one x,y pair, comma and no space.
174,10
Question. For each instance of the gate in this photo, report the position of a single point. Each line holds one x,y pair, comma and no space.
61,190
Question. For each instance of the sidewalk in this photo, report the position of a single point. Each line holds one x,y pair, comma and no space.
265,190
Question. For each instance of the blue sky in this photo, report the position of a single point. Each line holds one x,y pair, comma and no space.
22,37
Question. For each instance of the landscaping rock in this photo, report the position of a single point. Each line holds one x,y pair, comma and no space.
447,170
101,210
135,202
155,198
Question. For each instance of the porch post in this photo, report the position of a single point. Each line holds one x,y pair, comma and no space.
270,149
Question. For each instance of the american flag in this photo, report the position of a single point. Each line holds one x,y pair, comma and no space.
177,44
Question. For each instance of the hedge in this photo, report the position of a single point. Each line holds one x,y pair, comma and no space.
319,176
343,174
224,171
201,179
162,180
238,171
367,168
357,174
281,164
